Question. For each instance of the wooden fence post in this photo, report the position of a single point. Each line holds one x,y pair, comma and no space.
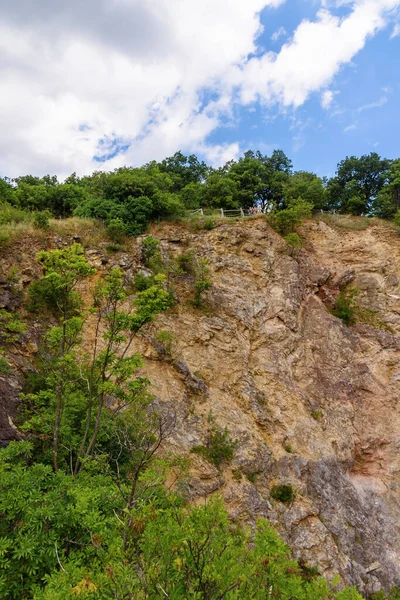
222,212
241,212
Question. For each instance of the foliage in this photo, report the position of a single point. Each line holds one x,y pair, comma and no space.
116,230
41,219
345,306
186,262
219,448
56,290
287,219
294,241
202,281
5,368
166,339
11,214
283,493
357,183
11,327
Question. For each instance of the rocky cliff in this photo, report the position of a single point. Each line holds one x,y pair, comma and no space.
311,402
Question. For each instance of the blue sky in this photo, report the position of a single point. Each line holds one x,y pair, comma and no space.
363,117
105,83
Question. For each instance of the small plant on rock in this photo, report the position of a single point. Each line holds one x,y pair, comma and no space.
283,493
345,306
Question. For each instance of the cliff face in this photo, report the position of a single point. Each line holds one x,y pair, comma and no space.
310,401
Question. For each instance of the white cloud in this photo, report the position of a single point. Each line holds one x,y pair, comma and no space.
381,102
396,31
314,56
327,99
350,127
149,77
281,32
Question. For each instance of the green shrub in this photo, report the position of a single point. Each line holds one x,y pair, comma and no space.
142,281
12,214
202,282
114,248
219,448
283,493
11,327
41,219
345,306
293,241
285,221
251,476
150,246
4,238
289,449
5,368
116,230
165,339
186,262
316,414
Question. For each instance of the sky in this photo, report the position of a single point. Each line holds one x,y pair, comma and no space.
98,84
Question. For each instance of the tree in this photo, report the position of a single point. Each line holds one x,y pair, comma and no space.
387,202
306,186
357,183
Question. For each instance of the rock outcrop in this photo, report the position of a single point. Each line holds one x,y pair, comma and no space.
311,402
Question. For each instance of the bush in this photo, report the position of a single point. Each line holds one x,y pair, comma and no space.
5,368
41,219
283,493
143,282
219,448
202,282
116,230
345,306
186,262
165,339
285,221
11,214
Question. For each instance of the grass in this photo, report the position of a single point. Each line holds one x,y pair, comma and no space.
346,221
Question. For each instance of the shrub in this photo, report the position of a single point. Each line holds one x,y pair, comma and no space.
41,219
186,262
345,306
5,368
11,214
150,246
289,449
202,282
293,241
251,476
11,327
4,238
116,230
142,281
219,448
165,339
316,414
285,221
283,493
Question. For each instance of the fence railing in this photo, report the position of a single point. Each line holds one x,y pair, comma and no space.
224,213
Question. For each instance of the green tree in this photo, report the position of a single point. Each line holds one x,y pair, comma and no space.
357,183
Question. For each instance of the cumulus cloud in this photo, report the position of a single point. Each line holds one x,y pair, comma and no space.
116,82
314,56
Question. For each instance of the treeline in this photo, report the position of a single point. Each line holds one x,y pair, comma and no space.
129,198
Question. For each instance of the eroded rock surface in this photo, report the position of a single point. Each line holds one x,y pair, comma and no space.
311,401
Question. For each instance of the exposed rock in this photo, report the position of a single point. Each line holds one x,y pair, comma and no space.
10,388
